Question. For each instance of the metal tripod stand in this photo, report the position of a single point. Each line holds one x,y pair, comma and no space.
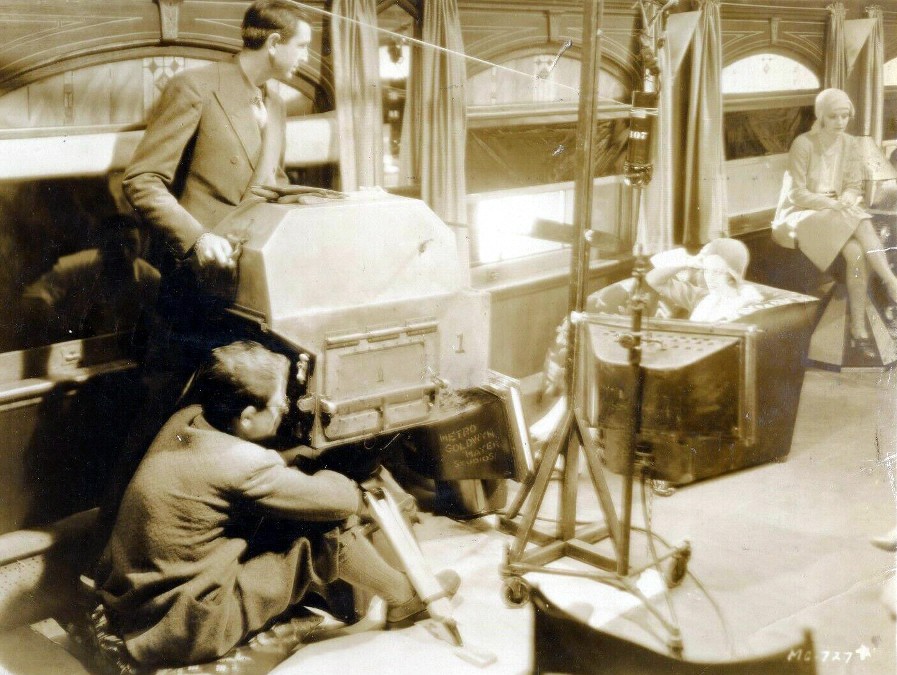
572,434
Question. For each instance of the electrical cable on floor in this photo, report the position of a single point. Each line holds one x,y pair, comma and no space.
675,641
624,584
703,589
719,612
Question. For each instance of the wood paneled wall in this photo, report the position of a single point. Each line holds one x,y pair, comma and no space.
46,37
796,28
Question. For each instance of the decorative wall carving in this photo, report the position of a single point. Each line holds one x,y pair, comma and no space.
796,29
168,18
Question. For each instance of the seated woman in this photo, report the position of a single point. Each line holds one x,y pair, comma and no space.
708,287
822,207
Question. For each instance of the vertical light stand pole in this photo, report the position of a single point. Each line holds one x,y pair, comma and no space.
572,433
577,435
638,170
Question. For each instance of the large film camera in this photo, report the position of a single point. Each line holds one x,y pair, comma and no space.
368,296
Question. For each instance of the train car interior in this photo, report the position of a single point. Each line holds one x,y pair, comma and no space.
533,268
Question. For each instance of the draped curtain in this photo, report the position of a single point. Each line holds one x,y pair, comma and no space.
443,114
359,112
835,51
409,145
705,203
659,223
655,226
872,90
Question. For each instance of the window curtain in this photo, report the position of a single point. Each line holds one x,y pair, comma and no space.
442,113
662,198
705,207
409,145
846,41
359,108
835,51
872,89
655,225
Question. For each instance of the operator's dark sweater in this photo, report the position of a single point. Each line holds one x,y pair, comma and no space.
192,567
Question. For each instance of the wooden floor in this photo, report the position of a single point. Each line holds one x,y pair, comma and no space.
778,548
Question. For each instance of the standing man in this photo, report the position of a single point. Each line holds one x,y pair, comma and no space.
216,131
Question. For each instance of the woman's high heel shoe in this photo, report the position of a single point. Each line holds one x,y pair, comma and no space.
886,542
891,309
865,347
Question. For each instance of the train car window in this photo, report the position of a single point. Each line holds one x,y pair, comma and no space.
753,133
890,73
520,159
764,114
767,72
537,79
120,93
504,222
117,93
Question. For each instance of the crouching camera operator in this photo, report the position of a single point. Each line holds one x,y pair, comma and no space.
217,535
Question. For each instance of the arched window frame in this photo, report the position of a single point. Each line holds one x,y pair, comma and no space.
733,102
480,116
305,85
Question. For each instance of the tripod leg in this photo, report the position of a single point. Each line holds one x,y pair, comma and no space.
552,419
567,523
525,488
596,471
543,475
388,516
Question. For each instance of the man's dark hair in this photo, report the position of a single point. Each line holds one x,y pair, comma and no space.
238,375
269,16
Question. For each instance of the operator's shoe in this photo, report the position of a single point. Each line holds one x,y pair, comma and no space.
887,542
408,613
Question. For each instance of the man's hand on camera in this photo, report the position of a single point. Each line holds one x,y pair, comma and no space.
212,250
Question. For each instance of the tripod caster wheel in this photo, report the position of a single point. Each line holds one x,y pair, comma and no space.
678,567
515,592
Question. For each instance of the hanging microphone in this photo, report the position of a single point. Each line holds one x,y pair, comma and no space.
637,168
